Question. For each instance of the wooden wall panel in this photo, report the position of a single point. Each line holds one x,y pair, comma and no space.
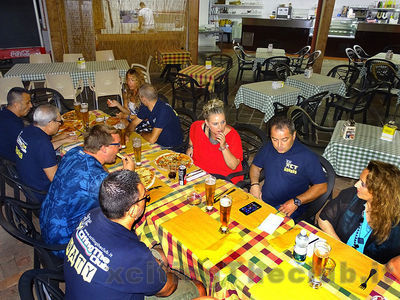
58,30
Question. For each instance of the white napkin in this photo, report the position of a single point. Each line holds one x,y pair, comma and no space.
271,223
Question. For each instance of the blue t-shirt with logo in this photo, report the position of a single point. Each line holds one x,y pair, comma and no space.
289,174
104,260
163,116
73,192
34,152
10,127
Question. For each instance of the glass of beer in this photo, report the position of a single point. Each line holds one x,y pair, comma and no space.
225,211
77,108
210,191
85,115
137,150
122,133
322,265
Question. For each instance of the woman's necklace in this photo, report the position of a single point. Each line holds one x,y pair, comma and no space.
212,141
359,240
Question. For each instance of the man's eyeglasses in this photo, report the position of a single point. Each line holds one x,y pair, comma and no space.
146,198
115,144
61,122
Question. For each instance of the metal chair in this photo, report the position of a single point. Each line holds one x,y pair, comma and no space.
71,57
348,73
38,58
361,52
297,62
106,83
221,60
16,219
6,84
43,283
314,206
104,55
221,86
353,57
187,89
186,118
311,58
267,68
41,96
245,63
282,71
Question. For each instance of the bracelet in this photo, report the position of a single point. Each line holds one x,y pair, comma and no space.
255,183
222,149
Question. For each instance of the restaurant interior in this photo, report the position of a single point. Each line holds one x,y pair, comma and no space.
253,55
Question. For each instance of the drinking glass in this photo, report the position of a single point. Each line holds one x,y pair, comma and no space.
194,198
209,186
322,264
77,108
137,150
85,115
173,169
122,133
225,212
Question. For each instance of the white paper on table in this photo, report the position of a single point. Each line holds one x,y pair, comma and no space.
271,223
310,248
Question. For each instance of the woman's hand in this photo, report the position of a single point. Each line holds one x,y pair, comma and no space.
112,103
221,140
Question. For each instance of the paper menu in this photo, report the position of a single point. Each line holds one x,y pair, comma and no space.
271,223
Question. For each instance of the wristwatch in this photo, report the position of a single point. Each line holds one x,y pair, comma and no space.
297,201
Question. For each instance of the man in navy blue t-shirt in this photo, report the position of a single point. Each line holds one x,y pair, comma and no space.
18,106
36,160
105,259
167,130
293,173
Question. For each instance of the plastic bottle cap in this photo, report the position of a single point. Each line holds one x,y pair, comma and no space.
303,232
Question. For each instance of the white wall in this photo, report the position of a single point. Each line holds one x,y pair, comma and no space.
203,12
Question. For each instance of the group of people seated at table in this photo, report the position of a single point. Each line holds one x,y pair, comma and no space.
85,204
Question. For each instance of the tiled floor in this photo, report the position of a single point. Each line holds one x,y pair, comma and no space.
16,257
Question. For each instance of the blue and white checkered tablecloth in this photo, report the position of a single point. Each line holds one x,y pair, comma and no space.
261,96
316,84
262,54
349,157
29,72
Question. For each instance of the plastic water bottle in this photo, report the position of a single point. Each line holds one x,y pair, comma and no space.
300,249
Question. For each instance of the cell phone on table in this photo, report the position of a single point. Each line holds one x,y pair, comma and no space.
249,208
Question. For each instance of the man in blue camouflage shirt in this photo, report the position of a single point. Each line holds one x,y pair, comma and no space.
75,187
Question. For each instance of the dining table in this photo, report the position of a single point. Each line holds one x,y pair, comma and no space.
349,157
261,96
317,83
252,260
37,72
263,53
172,58
203,75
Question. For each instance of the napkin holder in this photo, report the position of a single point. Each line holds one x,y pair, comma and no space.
270,48
277,85
308,72
388,131
81,63
349,130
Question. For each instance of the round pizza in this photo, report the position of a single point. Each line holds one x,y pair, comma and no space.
167,159
71,115
146,176
111,121
70,126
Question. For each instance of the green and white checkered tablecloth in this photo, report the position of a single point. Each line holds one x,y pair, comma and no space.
262,54
316,84
350,157
28,72
261,95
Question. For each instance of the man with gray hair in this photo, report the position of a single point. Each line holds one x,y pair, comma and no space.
166,128
18,106
36,160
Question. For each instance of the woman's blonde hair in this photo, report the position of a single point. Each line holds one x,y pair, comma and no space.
134,95
214,106
383,182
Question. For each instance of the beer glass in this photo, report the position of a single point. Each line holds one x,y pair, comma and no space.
122,133
137,150
85,115
322,265
210,191
225,212
77,108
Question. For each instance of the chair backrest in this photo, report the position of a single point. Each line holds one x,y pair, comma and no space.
149,63
270,62
71,57
311,104
297,62
184,86
103,55
41,96
61,83
221,60
308,131
383,64
142,69
39,58
361,52
303,51
348,73
107,83
384,72
186,118
282,71
42,281
312,57
6,84
314,206
241,55
352,56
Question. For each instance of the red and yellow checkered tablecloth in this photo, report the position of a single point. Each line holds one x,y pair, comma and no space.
173,57
203,75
